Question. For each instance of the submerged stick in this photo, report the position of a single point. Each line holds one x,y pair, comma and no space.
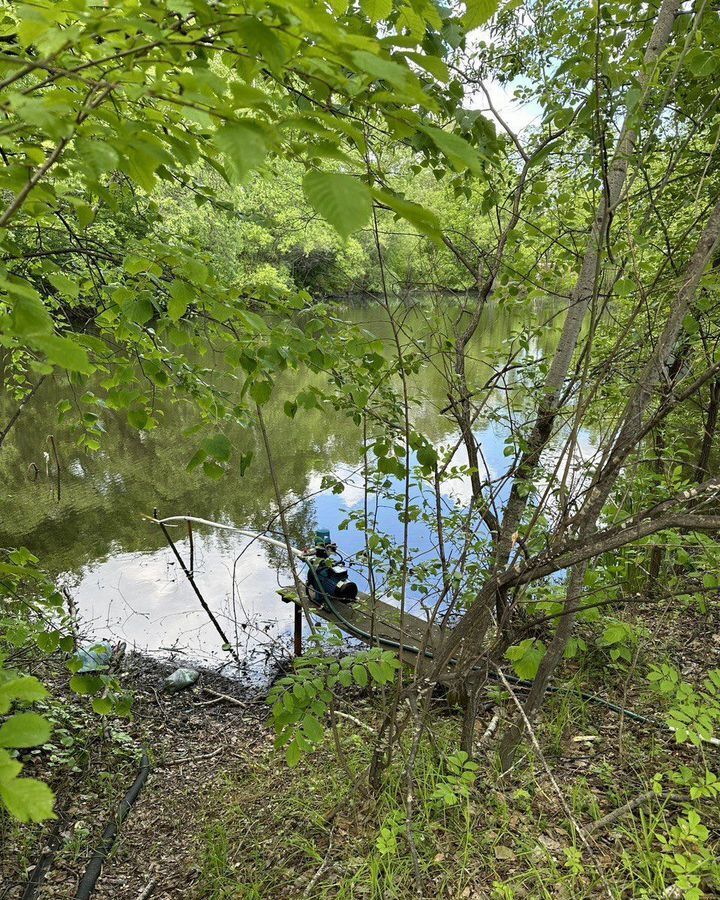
188,574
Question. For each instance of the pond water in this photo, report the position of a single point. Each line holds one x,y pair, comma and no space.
117,566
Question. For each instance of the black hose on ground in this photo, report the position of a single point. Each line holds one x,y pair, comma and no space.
42,867
94,867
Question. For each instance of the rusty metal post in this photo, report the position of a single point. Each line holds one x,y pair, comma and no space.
298,629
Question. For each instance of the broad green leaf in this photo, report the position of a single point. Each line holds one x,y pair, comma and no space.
19,687
477,12
29,314
86,684
181,296
97,156
263,41
458,151
382,69
27,799
341,199
66,286
293,753
25,730
63,352
218,446
243,146
702,63
260,391
313,729
376,10
138,418
526,657
102,705
423,219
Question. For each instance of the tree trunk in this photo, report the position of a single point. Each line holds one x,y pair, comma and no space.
628,433
702,469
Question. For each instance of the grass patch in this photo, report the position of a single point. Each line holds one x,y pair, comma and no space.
274,832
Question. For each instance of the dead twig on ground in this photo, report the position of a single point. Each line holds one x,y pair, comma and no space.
556,787
188,759
219,696
147,890
618,813
316,877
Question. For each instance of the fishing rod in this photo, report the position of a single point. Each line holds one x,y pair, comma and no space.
306,557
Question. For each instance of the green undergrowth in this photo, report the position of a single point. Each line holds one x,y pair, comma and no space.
88,762
272,832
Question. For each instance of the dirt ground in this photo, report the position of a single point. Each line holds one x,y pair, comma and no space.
211,757
193,738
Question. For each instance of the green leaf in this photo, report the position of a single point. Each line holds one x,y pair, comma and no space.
691,324
293,753
376,10
263,41
19,687
213,470
68,287
423,219
25,730
702,62
86,684
526,657
27,799
313,729
341,199
459,153
477,12
219,447
138,418
260,391
379,672
360,675
29,315
382,69
244,147
63,352
181,296
96,156
102,705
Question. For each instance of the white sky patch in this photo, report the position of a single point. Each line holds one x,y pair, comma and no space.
354,493
517,115
459,488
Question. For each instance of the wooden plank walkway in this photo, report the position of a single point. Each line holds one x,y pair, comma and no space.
379,619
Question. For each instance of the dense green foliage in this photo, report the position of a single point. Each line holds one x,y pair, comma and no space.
186,186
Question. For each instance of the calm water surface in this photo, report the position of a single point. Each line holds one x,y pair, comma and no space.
117,566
